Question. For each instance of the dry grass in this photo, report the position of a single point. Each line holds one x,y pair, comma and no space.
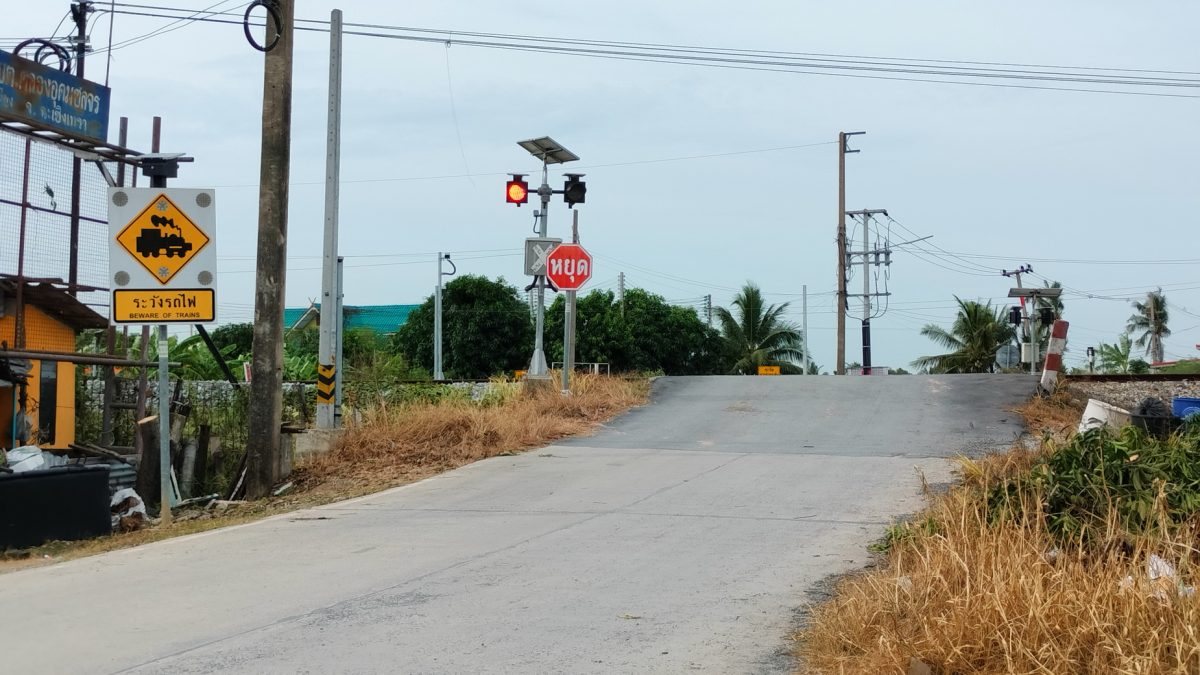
964,592
399,444
395,442
1056,415
966,596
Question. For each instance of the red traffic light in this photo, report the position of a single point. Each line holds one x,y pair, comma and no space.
516,191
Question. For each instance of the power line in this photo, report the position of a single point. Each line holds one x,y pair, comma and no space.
909,70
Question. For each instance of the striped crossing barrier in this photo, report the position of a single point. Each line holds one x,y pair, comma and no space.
1058,342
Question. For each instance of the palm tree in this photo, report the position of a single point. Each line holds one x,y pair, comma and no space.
979,331
758,336
1118,357
1150,318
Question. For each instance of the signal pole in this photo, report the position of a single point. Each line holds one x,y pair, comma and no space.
264,461
843,150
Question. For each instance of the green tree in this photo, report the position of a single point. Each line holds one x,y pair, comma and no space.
648,335
756,334
978,332
1118,357
240,336
1150,319
486,329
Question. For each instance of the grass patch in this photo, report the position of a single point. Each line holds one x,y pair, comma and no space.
397,443
1045,560
395,440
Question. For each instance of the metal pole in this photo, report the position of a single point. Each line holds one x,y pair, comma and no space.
326,412
265,462
166,494
164,428
537,365
19,327
841,261
437,323
79,12
569,320
340,342
804,325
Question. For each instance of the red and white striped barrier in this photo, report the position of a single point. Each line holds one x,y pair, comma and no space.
1058,342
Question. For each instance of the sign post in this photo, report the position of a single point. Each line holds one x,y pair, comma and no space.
162,264
569,266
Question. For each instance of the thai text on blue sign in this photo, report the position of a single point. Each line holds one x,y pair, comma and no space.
52,100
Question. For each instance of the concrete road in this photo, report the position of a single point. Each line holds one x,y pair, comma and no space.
680,539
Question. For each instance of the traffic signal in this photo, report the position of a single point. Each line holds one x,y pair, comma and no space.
574,190
517,190
1014,315
1047,315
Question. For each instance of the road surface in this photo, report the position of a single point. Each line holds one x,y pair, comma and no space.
682,538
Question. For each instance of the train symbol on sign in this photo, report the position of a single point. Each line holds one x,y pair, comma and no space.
151,242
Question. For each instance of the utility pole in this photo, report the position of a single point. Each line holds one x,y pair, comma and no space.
621,291
331,337
868,255
1026,322
804,325
843,150
438,374
265,462
79,13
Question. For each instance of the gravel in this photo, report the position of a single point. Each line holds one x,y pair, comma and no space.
1128,395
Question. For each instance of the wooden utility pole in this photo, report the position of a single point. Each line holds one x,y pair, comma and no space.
843,150
265,462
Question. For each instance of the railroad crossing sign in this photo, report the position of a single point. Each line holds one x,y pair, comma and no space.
569,266
162,258
536,251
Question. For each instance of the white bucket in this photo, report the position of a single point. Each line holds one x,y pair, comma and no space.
1099,414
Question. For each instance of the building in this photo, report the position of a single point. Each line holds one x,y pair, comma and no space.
37,395
382,319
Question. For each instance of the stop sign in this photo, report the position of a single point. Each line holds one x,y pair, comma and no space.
569,266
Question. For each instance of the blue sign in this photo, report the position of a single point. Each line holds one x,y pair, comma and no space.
52,100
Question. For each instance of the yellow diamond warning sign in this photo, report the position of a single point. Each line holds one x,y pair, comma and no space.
162,238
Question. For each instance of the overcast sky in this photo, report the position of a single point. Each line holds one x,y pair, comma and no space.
1030,176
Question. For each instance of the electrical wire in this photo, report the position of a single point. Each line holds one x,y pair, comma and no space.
797,63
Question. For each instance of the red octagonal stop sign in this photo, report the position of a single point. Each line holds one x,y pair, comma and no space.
568,267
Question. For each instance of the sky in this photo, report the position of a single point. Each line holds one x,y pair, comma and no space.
702,179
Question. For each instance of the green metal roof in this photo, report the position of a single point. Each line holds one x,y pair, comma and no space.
382,319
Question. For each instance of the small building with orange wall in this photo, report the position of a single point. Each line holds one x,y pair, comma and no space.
53,319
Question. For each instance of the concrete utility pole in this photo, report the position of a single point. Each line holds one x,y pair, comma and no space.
1031,349
331,337
438,339
621,291
804,325
265,463
868,257
843,150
